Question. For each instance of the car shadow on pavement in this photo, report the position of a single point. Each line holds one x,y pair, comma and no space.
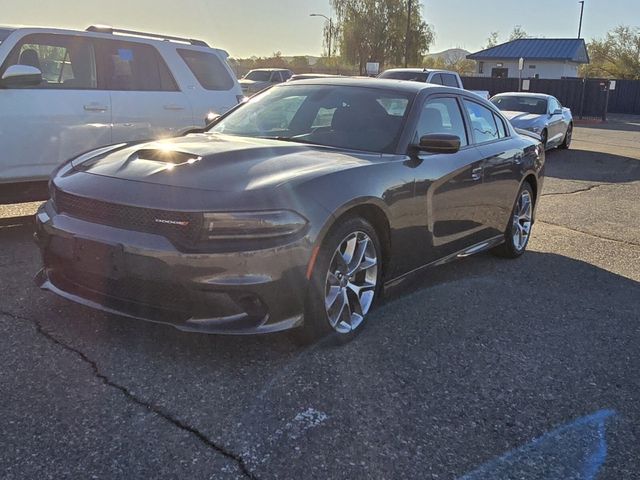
588,166
455,369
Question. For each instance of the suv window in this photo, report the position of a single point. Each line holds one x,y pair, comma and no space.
65,61
436,79
449,80
132,66
441,115
208,69
483,122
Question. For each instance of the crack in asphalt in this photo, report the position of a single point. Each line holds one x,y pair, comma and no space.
589,188
244,469
600,237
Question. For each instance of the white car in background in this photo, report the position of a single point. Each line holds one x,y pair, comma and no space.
65,92
427,75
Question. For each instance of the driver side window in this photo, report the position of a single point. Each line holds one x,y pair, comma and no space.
441,115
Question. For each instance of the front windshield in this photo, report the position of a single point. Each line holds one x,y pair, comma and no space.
4,33
350,117
404,75
512,103
258,76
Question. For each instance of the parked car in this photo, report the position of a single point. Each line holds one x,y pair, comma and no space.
538,113
64,92
437,77
261,78
280,216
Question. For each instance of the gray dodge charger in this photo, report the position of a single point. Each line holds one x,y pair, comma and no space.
295,210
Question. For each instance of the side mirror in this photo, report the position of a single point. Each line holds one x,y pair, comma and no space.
439,143
557,112
21,76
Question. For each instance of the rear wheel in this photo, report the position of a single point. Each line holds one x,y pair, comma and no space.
567,137
345,282
519,229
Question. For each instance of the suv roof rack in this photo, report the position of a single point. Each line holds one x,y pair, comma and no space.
167,38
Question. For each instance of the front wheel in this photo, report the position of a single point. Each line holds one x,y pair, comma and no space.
567,138
345,282
520,224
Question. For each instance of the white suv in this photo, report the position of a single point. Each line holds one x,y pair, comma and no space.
66,92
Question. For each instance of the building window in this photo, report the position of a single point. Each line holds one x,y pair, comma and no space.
532,67
480,67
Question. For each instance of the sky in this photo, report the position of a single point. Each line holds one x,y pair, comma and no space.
260,27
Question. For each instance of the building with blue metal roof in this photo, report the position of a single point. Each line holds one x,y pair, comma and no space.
543,58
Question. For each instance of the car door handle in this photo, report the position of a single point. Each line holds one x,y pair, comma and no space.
476,174
95,107
173,106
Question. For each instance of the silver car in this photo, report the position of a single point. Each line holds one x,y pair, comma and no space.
538,113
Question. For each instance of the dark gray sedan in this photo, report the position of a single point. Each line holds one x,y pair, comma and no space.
294,210
538,113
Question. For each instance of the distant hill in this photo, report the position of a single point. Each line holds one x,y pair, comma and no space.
451,56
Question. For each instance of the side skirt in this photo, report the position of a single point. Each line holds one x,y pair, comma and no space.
467,252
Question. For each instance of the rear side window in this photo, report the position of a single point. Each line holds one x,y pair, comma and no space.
208,69
66,62
449,80
502,129
483,122
133,66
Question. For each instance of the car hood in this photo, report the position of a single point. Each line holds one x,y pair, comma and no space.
251,83
221,163
522,118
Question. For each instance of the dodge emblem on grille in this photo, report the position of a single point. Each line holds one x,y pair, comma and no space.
171,222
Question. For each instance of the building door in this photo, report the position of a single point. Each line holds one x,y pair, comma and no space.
499,72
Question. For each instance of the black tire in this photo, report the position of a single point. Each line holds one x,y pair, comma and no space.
544,138
509,249
316,318
566,143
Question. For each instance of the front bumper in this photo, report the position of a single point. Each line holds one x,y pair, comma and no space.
143,276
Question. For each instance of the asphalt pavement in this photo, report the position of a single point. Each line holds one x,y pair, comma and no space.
485,368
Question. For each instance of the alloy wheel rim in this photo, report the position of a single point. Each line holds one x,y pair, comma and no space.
351,282
522,221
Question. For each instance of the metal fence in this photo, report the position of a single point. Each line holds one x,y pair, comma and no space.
585,97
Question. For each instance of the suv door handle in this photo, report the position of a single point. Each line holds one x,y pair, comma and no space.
173,106
476,174
95,107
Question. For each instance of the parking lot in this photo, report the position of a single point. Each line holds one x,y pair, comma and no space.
479,367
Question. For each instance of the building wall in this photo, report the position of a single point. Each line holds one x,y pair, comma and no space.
545,69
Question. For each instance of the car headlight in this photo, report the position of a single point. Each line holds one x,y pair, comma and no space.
250,225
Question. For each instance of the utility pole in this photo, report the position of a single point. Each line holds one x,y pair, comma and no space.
407,38
581,2
330,29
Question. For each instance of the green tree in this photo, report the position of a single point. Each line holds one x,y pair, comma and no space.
492,40
376,30
617,55
299,64
517,33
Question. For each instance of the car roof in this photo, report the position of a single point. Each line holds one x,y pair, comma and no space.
524,94
417,70
270,70
380,83
140,37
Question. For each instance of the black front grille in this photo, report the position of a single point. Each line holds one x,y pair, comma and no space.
182,228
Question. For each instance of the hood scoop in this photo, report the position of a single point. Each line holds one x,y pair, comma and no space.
154,161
